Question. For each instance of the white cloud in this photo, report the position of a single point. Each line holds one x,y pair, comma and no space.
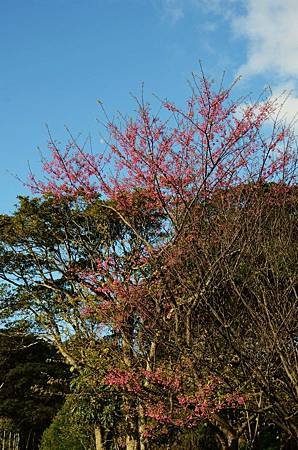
271,30
285,94
223,8
174,9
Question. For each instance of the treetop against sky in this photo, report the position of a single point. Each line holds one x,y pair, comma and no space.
59,57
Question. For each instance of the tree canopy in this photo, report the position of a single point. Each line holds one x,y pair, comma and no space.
165,271
34,382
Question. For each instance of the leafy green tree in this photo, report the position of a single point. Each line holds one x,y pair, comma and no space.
33,381
65,432
49,251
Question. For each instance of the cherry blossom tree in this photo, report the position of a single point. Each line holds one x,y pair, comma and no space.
187,186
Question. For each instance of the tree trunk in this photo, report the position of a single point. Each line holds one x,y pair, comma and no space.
227,442
131,443
188,326
143,440
99,444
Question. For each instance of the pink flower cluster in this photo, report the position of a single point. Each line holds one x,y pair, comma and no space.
123,379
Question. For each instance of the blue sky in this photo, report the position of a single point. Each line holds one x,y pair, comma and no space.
58,57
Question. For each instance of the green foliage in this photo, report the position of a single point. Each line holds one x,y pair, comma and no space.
33,378
269,438
66,433
7,424
45,246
